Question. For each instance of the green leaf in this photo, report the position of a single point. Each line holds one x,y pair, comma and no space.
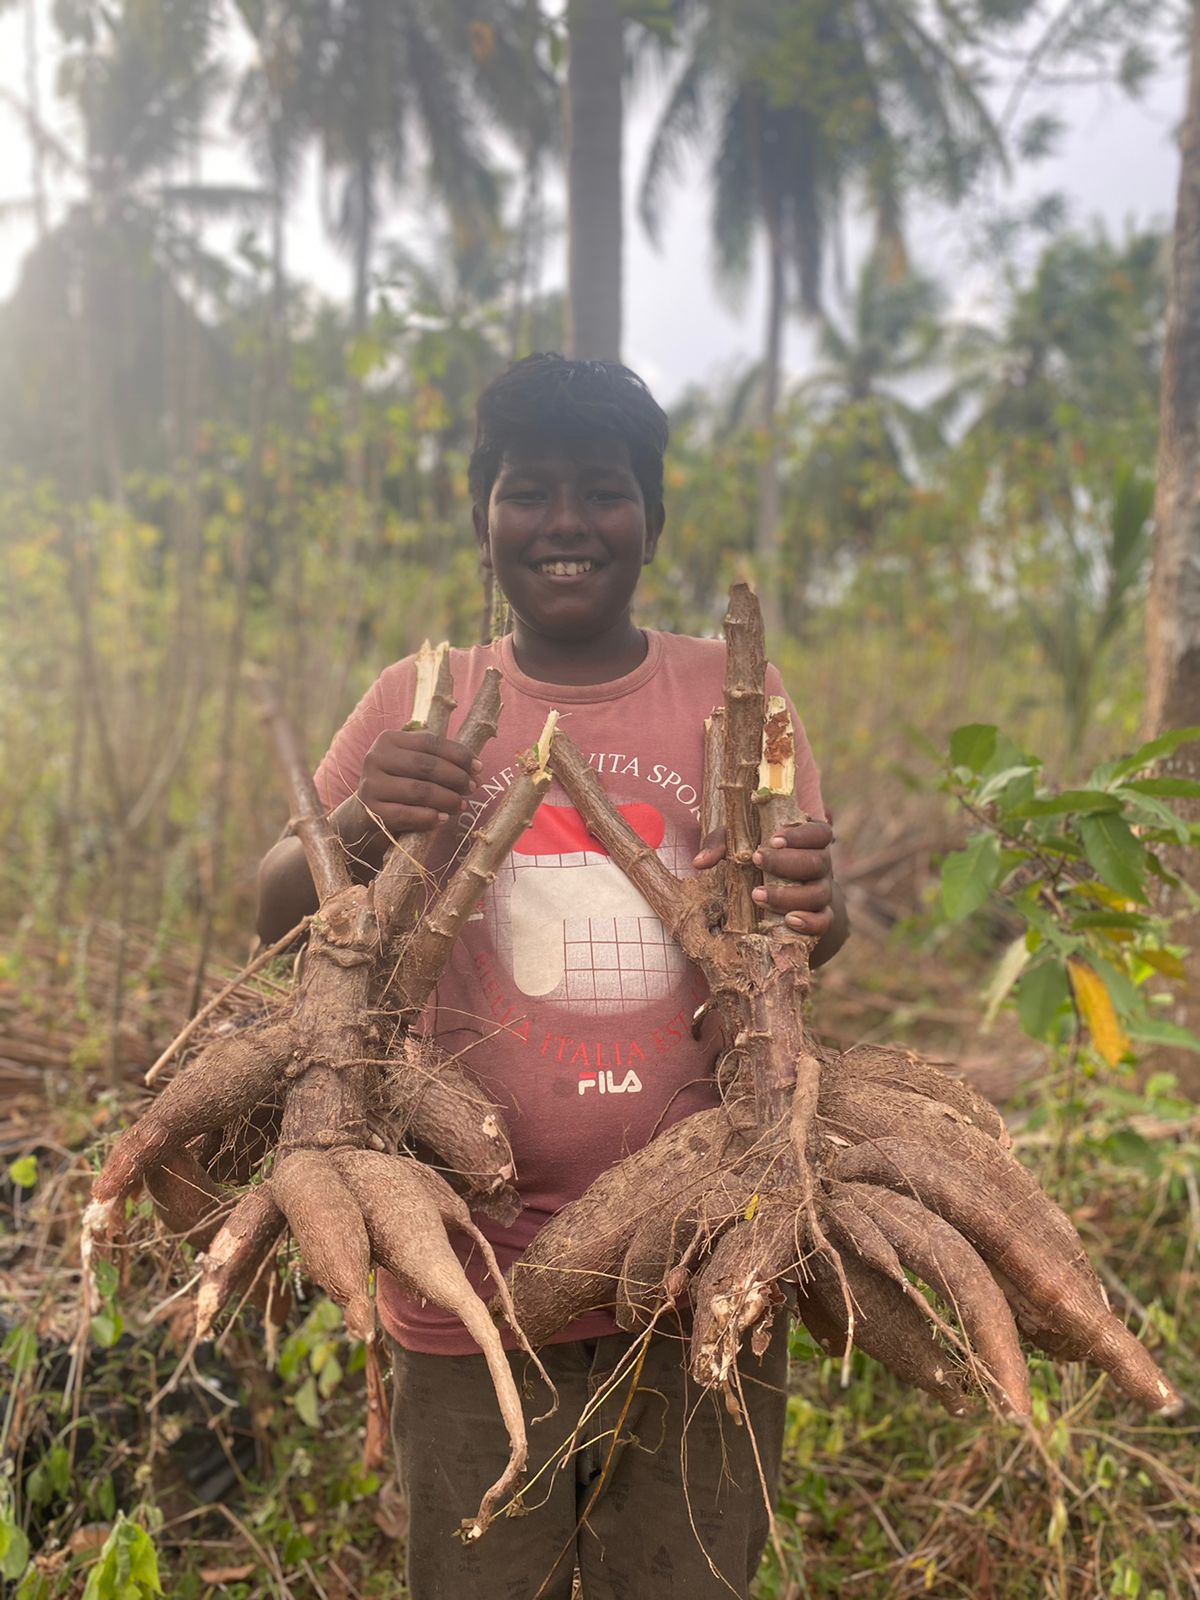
305,1402
1126,1148
107,1279
23,1171
1171,788
1152,812
34,1585
1041,993
1000,782
38,1486
1155,750
973,746
20,1348
127,1566
107,1327
1124,992
14,1551
1109,919
1156,1030
970,875
51,1478
1115,854
1083,801
330,1377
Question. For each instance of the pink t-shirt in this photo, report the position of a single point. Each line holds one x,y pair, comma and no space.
565,995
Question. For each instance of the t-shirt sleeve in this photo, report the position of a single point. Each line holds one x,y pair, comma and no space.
808,778
386,704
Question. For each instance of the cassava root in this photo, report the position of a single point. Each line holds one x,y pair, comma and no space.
821,1179
818,1186
329,1091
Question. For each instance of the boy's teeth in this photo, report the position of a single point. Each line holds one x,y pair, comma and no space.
565,569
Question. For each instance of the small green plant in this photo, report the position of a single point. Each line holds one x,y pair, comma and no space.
128,1565
314,1360
14,1545
1079,868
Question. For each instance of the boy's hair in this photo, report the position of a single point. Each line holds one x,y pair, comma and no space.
546,399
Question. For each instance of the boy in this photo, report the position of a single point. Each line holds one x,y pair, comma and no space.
572,1006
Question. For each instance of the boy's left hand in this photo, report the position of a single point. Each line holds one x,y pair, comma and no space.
799,854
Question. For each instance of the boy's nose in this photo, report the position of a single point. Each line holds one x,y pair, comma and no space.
567,513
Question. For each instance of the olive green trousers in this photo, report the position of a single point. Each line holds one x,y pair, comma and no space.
676,1509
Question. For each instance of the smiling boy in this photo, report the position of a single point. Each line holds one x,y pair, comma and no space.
570,1003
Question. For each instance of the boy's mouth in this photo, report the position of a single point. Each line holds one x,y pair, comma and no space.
564,569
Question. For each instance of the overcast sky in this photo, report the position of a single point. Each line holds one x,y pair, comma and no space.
1118,162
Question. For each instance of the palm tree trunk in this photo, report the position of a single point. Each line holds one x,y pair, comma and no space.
278,259
33,101
364,182
595,63
1173,610
363,239
766,531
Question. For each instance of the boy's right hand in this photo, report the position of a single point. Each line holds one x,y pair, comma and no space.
411,782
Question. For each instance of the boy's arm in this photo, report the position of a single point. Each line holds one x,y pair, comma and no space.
410,782
285,887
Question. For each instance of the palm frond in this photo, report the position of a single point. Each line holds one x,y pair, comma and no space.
680,125
48,144
735,212
460,175
216,200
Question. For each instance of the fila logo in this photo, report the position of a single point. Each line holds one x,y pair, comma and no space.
607,1084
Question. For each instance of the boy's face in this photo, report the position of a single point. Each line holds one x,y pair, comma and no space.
567,535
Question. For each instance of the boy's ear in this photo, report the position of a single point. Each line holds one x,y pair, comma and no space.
479,518
655,521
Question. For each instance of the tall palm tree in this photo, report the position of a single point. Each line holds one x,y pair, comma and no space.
859,397
275,106
593,111
796,107
1084,332
388,79
117,277
891,336
403,85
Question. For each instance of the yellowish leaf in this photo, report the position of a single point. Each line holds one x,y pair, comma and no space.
1095,1003
1106,896
1164,961
1058,1522
751,1210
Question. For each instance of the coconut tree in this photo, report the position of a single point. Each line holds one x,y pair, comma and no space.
794,108
1083,333
891,336
275,105
119,274
403,84
389,81
593,110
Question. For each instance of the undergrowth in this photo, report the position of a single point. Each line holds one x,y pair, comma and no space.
127,1473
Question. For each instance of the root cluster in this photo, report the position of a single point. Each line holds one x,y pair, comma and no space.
869,1194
